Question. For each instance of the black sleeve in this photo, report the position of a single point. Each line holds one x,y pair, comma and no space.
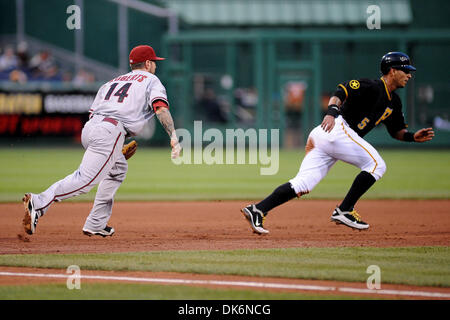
396,121
341,92
352,89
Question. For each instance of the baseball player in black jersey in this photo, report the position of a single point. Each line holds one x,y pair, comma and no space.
356,107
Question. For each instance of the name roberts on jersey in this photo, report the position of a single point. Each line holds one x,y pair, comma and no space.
137,77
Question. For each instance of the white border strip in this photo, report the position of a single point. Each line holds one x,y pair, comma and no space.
239,284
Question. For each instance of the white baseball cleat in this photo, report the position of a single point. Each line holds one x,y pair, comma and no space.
31,216
349,218
256,218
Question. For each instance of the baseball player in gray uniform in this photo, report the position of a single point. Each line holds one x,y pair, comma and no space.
120,109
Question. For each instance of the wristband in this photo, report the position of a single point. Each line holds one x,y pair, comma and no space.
408,136
333,110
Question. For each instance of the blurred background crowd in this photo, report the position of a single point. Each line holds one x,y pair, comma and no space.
18,64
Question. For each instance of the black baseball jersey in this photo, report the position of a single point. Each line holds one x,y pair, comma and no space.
367,103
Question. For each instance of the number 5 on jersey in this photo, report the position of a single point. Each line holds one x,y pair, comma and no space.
365,121
121,93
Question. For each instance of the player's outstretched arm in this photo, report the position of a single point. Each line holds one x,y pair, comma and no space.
165,118
422,135
425,134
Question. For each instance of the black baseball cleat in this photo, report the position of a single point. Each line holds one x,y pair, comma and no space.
30,220
107,232
348,218
256,218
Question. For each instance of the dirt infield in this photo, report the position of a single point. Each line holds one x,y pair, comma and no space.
215,225
219,225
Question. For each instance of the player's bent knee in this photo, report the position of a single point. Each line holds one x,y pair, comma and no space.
121,177
379,170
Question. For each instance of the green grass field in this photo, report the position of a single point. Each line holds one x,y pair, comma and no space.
426,266
411,174
96,291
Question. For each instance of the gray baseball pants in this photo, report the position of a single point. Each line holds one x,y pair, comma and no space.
103,164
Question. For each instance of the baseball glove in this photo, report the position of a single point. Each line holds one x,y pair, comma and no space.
129,149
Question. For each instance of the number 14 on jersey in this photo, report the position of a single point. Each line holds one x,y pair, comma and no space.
121,93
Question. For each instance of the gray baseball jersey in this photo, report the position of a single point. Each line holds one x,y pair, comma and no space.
129,99
121,107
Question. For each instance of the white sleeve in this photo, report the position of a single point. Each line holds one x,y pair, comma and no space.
156,91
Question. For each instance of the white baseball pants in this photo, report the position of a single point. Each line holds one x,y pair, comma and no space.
342,143
103,163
